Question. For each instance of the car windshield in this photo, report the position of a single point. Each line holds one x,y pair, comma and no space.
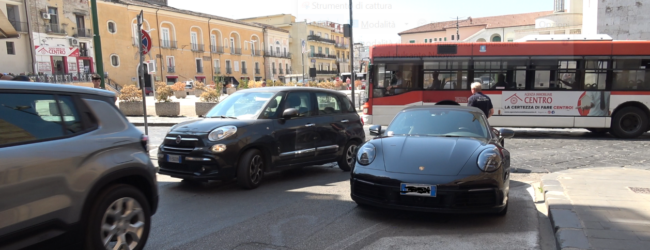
241,105
439,122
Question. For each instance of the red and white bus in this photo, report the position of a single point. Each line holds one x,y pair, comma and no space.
603,86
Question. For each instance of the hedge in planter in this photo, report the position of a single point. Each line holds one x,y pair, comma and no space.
199,88
178,90
131,101
165,106
209,99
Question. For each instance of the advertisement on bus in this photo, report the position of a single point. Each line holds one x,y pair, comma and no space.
556,103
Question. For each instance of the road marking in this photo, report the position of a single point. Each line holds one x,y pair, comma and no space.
358,236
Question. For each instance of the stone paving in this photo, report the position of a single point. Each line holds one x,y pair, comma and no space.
598,209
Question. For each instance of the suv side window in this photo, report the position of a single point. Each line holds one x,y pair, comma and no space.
327,104
70,115
29,117
273,107
300,101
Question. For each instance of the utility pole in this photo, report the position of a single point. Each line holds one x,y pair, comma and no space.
141,72
457,30
99,61
353,74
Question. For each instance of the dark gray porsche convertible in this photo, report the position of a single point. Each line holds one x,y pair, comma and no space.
435,159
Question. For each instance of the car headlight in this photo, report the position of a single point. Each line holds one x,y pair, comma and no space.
222,132
489,160
366,154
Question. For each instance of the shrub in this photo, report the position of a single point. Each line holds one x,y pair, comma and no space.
130,93
326,85
179,86
357,83
164,92
199,86
211,95
243,84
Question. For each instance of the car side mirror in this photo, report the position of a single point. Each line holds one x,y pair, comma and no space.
289,113
506,133
375,130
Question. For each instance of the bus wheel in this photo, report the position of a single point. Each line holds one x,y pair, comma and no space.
600,131
629,122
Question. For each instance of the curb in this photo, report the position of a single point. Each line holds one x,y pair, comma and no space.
567,227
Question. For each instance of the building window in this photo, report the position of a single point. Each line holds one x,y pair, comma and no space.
496,38
575,31
452,37
412,41
115,60
199,65
112,28
559,5
171,65
559,32
194,40
11,50
445,39
510,40
327,51
545,33
165,38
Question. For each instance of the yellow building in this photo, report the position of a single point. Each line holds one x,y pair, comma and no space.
186,45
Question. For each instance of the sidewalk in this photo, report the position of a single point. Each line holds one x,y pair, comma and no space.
599,208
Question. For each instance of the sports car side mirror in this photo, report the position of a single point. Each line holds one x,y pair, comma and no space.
289,113
375,130
506,133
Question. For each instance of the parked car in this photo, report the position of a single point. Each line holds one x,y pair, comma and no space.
441,158
73,170
148,90
264,129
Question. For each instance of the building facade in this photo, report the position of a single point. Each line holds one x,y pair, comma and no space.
186,46
620,19
15,46
62,39
277,53
361,57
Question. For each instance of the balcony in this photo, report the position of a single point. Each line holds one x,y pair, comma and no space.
171,69
320,39
19,26
84,52
235,51
274,71
342,60
244,71
342,46
317,55
281,71
83,33
257,71
217,70
54,28
270,53
168,44
216,49
256,52
228,70
326,72
198,47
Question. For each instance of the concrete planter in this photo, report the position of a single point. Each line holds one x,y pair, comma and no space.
132,108
202,108
229,91
198,92
168,108
180,94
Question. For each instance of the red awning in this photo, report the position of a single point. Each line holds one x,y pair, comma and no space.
172,77
199,77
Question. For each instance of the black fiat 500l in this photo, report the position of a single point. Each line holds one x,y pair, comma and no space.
438,159
264,129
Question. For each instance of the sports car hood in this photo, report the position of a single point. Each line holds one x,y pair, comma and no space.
208,124
437,155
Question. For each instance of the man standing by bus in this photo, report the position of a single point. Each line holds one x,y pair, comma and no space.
480,101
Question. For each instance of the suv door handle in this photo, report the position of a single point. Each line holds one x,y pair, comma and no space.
310,125
344,121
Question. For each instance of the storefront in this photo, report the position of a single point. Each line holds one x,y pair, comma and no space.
63,61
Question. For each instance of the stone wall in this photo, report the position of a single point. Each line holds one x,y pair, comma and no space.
624,19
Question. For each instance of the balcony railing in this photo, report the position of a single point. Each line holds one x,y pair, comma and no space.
84,53
54,28
235,51
168,44
83,33
217,70
342,46
62,78
320,39
216,49
343,60
19,26
256,52
244,71
281,71
198,47
257,71
270,53
328,72
171,69
228,70
274,71
317,55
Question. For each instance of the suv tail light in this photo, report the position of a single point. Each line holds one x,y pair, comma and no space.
144,140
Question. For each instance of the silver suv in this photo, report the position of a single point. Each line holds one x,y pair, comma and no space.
73,170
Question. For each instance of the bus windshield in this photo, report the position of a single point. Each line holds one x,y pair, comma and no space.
437,122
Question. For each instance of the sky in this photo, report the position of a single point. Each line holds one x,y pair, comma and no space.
376,21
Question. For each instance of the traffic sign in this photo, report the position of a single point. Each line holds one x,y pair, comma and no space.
146,42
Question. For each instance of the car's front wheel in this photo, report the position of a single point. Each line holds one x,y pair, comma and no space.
251,169
120,218
348,159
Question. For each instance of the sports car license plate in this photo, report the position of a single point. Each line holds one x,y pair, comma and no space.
418,190
174,158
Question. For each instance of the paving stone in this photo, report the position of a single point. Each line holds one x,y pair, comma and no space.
572,238
618,244
592,225
610,234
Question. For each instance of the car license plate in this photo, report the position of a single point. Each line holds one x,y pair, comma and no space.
174,158
418,190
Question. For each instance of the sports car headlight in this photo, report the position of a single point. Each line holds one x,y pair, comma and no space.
366,154
489,160
222,132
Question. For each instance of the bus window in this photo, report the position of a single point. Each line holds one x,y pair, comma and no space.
566,75
631,74
595,75
397,79
446,75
